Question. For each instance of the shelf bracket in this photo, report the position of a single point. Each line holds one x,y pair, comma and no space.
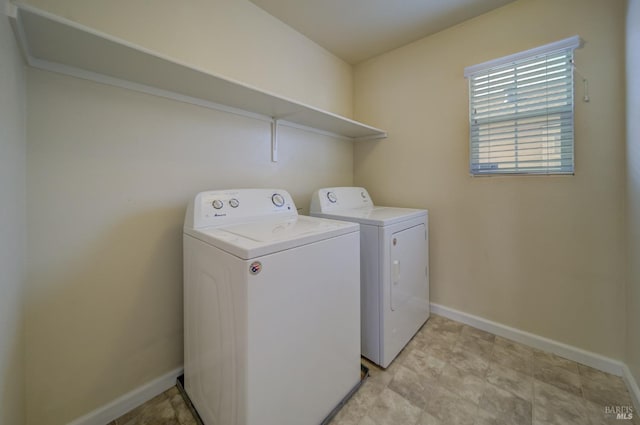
274,140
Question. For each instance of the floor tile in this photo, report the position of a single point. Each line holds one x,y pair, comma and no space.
437,319
359,404
477,333
513,346
183,413
514,359
366,421
544,359
377,374
603,388
511,380
605,393
391,409
488,418
428,334
428,419
478,346
558,377
412,387
599,415
453,374
158,411
506,405
424,364
444,327
595,374
451,409
553,406
346,417
417,342
468,362
466,385
589,374
439,348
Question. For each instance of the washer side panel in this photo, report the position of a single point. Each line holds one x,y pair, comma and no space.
215,333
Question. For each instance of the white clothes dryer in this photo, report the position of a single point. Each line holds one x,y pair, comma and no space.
271,309
394,273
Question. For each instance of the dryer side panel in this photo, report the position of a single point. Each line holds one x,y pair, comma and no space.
370,294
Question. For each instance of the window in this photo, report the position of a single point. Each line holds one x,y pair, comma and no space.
521,112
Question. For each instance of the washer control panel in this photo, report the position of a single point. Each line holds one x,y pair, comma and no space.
215,207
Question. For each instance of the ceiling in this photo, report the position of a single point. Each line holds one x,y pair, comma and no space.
356,30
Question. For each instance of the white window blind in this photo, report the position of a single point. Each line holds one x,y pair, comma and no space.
521,112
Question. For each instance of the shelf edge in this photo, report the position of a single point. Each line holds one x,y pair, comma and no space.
14,9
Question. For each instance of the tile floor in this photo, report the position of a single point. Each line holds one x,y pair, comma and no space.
168,408
452,374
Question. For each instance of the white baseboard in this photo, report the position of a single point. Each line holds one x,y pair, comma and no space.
596,361
130,400
632,385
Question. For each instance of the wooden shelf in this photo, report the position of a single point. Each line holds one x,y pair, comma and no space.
57,44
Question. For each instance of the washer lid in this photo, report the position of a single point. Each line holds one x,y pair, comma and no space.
376,216
261,237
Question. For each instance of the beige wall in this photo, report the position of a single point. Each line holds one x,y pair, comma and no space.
542,254
110,172
232,38
12,226
633,186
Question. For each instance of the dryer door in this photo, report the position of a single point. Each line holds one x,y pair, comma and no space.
408,266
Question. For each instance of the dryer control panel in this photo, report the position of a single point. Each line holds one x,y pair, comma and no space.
217,207
330,199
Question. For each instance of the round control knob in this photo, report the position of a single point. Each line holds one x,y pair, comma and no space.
363,195
277,200
217,204
332,197
233,203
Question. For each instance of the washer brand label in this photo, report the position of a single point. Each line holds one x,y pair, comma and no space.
255,267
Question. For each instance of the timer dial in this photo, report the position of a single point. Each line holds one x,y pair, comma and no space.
277,200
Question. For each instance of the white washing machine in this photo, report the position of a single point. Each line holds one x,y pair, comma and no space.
271,309
394,261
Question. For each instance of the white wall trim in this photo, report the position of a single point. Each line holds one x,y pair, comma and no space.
579,355
634,390
118,407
